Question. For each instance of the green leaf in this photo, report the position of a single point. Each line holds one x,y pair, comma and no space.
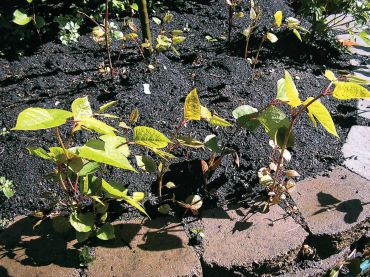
330,75
38,152
192,108
297,34
211,143
146,163
364,35
21,18
107,106
82,222
116,144
349,90
157,20
291,91
280,137
271,37
244,117
138,195
97,126
89,168
176,40
278,18
81,108
106,232
272,119
134,6
39,22
163,154
164,209
319,111
150,137
95,150
218,121
61,224
168,17
190,142
135,204
38,118
281,91
113,189
81,237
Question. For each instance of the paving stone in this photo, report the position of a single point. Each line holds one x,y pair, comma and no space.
364,108
334,205
153,249
356,150
240,243
25,252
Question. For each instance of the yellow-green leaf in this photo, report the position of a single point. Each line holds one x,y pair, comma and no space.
116,143
190,142
205,113
21,18
318,110
291,91
146,163
278,18
81,108
330,75
281,91
107,106
96,125
297,34
150,137
349,90
271,37
163,154
216,120
38,118
106,232
95,150
192,108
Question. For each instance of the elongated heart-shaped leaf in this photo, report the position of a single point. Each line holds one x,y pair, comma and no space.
97,125
116,143
82,222
273,119
278,18
95,150
319,111
150,137
81,108
192,108
349,90
38,119
146,163
281,91
21,18
291,91
244,117
330,75
218,121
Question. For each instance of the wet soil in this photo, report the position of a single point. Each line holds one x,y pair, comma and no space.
54,75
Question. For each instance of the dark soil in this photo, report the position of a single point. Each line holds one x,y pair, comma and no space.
55,75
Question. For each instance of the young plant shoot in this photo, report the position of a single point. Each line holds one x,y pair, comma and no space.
280,128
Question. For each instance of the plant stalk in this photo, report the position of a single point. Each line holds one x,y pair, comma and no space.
106,35
145,26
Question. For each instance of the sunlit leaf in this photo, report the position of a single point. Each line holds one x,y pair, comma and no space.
319,111
163,154
189,142
95,150
21,18
150,137
211,143
81,108
244,117
278,18
146,163
330,75
349,90
271,37
107,106
138,195
192,108
281,91
297,34
218,121
272,119
38,152
96,125
82,222
291,91
38,118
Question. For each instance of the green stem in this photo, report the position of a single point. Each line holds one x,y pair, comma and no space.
145,26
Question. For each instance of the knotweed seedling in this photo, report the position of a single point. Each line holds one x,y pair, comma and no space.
6,186
290,23
232,4
255,14
79,168
280,127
